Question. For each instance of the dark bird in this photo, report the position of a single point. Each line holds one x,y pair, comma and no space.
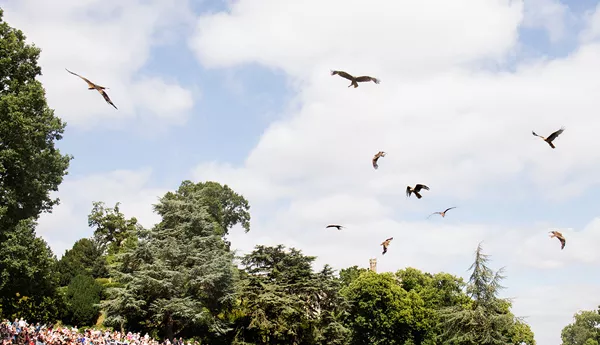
92,86
385,244
560,237
551,137
355,80
416,190
443,214
339,227
376,158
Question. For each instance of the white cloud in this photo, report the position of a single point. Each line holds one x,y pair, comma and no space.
68,221
108,42
551,15
442,120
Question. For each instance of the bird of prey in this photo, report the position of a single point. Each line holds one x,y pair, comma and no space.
416,190
443,214
92,86
376,158
560,237
339,227
551,137
355,80
385,244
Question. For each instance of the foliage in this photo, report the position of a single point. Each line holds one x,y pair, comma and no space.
382,312
30,166
84,258
113,231
348,275
584,331
180,276
486,321
27,280
82,297
285,302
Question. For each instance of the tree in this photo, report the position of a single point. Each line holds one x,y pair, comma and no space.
486,321
113,231
30,166
225,207
440,290
180,277
382,312
28,281
348,275
83,296
285,302
85,257
584,331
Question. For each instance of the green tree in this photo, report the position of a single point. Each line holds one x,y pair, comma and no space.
28,281
285,302
348,275
486,321
113,232
584,331
180,277
85,257
30,166
82,297
382,312
440,290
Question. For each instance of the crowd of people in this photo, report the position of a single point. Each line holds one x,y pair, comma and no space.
20,332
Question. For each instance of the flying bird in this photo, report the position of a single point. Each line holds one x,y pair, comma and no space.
339,227
376,158
551,137
355,80
385,244
416,190
92,86
443,214
560,237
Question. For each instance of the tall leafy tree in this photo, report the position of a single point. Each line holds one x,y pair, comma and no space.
28,283
30,165
486,320
85,257
180,276
382,312
113,232
585,330
285,302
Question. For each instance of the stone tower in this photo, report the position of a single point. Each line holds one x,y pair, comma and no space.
373,265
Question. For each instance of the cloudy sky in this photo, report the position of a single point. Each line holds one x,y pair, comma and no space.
240,92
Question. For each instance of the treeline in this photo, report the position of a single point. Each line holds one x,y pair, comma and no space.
181,278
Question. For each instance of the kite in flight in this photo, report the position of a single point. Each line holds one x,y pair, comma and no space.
560,237
385,244
92,86
376,158
551,137
355,80
416,190
339,227
443,214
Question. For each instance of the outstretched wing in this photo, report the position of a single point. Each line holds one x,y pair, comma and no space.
333,226
375,162
433,214
555,134
419,186
86,80
367,78
342,74
449,209
563,241
107,99
534,133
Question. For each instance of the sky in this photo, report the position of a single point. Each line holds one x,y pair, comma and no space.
240,92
